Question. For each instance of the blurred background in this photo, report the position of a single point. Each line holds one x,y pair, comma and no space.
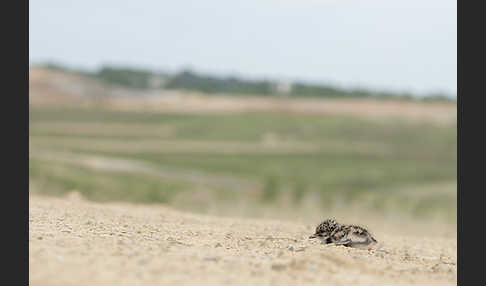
293,110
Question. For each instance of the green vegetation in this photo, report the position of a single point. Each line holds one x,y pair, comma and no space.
190,80
125,77
270,189
59,178
284,155
299,191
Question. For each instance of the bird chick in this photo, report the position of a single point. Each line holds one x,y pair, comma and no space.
330,231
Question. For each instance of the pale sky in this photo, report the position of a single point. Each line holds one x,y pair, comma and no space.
391,45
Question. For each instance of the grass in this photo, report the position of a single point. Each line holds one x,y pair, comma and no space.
58,179
270,189
354,158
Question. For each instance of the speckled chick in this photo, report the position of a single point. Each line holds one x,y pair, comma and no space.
330,231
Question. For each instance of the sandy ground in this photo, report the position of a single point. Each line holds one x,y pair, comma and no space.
76,242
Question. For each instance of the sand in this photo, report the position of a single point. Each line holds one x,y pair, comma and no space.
78,242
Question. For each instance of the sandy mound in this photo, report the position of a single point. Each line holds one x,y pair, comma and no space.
76,242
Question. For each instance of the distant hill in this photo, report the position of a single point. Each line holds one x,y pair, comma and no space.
143,79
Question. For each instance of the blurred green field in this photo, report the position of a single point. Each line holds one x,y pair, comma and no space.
268,159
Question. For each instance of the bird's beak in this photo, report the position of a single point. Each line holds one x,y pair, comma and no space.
312,236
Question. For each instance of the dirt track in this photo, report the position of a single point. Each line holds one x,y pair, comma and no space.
74,242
